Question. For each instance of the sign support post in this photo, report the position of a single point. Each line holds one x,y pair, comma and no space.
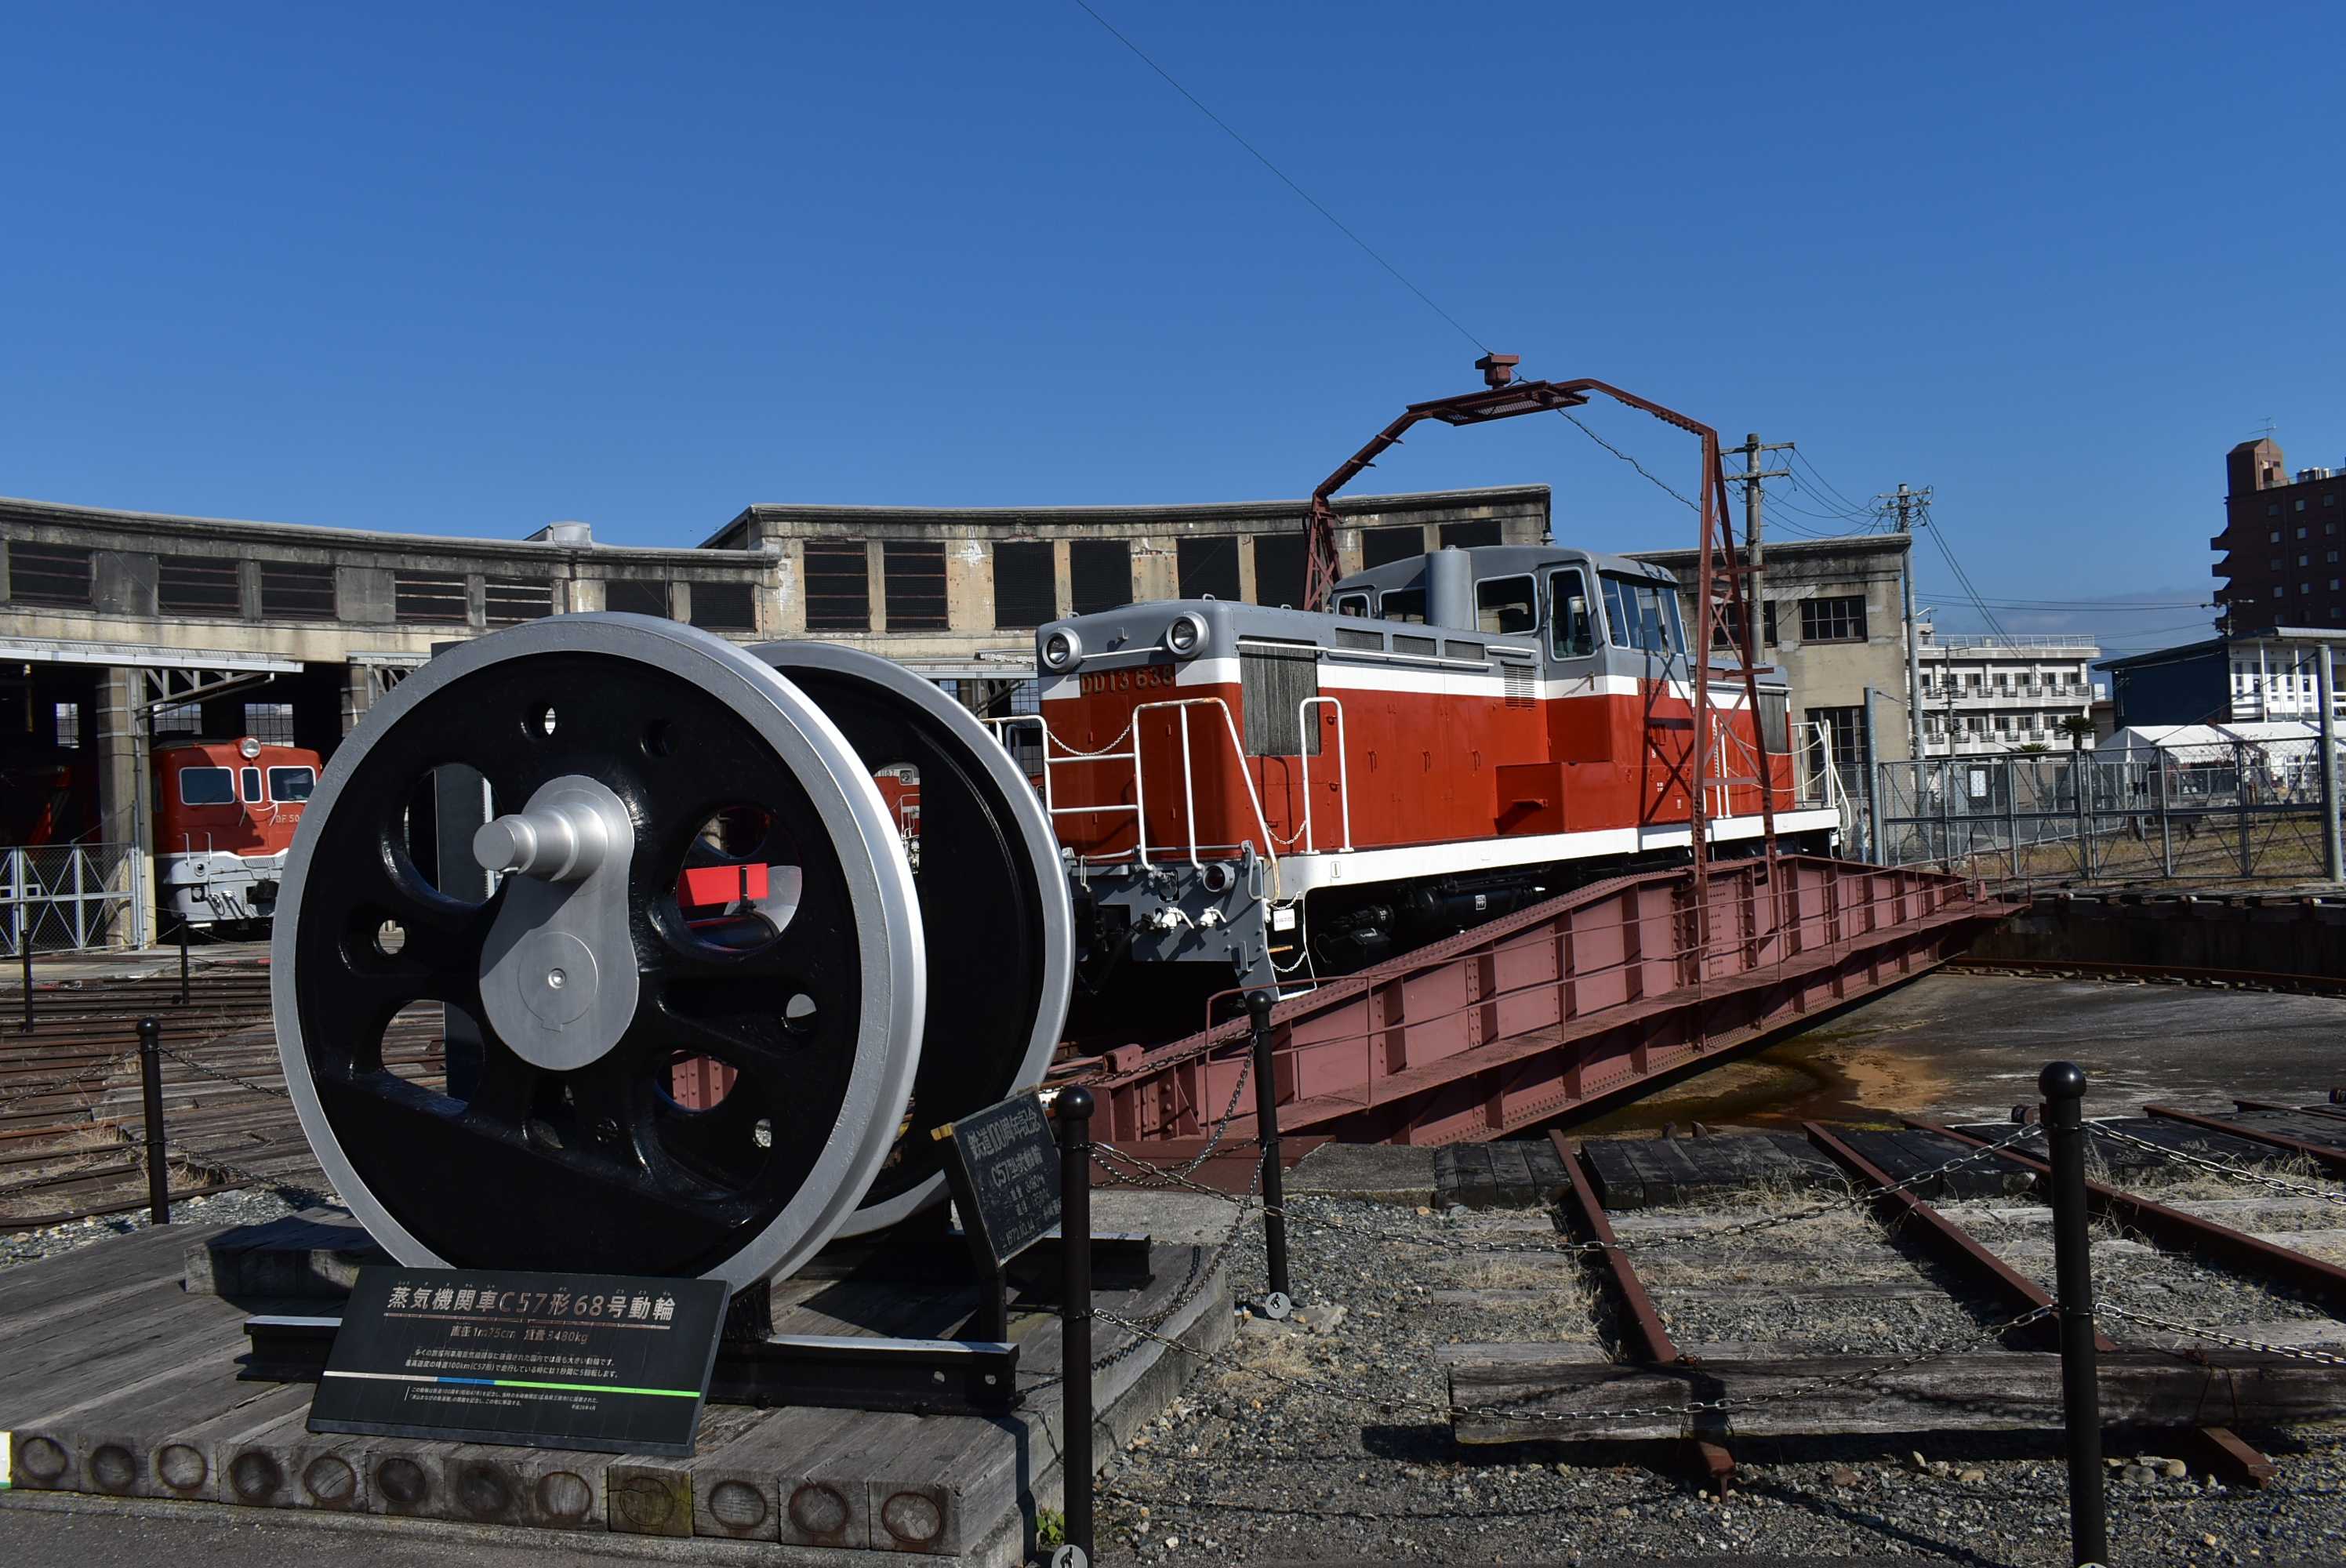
1073,1110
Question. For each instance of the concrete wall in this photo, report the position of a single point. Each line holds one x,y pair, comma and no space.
1831,674
1519,514
2244,933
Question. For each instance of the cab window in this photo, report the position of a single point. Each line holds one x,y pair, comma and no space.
1505,605
1572,630
1403,605
207,786
290,785
252,782
1353,604
1644,613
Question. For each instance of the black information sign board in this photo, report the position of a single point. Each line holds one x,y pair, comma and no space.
542,1361
1004,1164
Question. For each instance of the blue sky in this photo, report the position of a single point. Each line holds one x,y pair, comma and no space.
469,269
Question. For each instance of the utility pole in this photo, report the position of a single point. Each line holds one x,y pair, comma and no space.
1749,479
1910,502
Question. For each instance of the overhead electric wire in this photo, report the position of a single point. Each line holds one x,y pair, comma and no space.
1625,457
1258,155
1831,493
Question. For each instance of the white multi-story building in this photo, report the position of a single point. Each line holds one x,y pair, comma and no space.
2273,676
1987,694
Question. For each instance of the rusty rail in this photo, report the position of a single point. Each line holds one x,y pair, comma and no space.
2218,1243
1946,1240
1646,1336
2332,1160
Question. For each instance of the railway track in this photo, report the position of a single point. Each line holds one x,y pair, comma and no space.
2219,1229
72,1116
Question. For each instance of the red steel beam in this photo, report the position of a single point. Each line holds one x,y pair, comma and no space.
2218,1243
1587,997
2329,1159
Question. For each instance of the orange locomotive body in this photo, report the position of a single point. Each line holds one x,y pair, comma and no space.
225,811
1289,793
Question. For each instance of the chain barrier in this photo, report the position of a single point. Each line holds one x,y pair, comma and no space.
1446,1411
184,1060
2219,1167
2217,1337
1561,1248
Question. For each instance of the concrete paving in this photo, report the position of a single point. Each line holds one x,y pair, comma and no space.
1969,1046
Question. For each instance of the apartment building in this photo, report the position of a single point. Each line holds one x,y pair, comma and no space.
1990,695
2278,554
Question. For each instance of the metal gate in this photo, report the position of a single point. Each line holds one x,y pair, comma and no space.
60,897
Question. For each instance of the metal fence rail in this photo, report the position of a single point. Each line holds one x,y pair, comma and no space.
2241,810
60,897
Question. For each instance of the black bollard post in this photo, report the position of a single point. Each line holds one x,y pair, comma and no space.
151,1079
25,949
1266,1125
1073,1111
183,963
2062,1084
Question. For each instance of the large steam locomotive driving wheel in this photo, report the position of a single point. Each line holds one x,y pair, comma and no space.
616,750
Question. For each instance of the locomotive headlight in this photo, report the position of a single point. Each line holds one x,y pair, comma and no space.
1186,636
1062,650
250,747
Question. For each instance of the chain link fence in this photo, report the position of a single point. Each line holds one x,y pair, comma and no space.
57,898
2228,811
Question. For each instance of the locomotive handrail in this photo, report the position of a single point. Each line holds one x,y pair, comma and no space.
1189,783
1343,773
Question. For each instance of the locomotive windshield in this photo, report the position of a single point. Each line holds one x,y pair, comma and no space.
1644,612
207,786
287,785
1572,633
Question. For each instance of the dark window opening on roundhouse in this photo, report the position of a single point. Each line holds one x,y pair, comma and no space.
1470,535
508,603
838,585
196,585
297,591
48,574
1280,563
1100,574
725,606
912,577
1207,567
1383,546
1026,585
636,595
428,598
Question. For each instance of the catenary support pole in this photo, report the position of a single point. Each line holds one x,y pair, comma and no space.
2325,690
2062,1084
1266,1122
150,1084
1073,1109
1914,636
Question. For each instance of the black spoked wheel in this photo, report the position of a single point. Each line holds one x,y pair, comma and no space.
561,1141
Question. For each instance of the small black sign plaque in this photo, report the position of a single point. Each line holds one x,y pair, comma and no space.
540,1360
1004,1165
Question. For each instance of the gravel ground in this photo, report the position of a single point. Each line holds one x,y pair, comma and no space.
250,1206
1353,1466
